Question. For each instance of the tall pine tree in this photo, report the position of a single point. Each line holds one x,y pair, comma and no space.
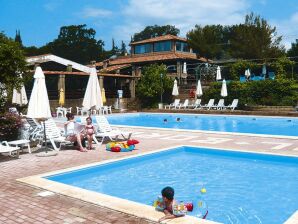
18,38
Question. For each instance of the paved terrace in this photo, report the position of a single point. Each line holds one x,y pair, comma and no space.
20,203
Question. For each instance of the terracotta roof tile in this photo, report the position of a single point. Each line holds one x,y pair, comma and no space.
154,57
115,67
160,38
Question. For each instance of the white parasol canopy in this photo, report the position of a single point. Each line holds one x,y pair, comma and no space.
218,73
39,106
184,71
247,73
175,91
264,69
199,91
224,91
93,94
19,96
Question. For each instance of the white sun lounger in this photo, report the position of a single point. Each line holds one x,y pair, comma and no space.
54,134
233,105
184,105
6,149
209,105
196,104
104,130
173,105
220,105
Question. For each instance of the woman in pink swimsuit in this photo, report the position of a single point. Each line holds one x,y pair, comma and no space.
90,130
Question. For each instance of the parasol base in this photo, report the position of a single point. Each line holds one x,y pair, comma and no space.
47,153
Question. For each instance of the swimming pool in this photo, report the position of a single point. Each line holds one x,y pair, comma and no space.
241,187
218,123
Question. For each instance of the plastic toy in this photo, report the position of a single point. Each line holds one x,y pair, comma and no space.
158,204
179,209
122,146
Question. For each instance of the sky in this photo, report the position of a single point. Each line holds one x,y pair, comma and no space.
39,21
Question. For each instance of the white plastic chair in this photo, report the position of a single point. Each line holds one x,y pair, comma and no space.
60,111
83,111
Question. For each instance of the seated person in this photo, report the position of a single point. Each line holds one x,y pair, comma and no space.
70,131
168,203
90,130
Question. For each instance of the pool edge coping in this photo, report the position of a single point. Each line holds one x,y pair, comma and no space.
119,204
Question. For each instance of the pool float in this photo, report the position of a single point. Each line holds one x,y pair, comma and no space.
122,146
179,209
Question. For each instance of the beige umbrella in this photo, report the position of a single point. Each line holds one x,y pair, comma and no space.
61,97
103,96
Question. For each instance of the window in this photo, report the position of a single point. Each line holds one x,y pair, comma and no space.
142,49
162,46
181,46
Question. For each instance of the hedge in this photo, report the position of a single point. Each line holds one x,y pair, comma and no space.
282,92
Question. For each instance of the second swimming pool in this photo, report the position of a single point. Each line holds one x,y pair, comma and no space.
241,187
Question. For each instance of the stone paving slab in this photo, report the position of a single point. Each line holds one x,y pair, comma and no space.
20,203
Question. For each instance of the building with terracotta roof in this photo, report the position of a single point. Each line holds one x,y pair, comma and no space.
169,50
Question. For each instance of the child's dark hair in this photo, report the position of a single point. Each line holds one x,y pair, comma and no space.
69,116
89,118
168,192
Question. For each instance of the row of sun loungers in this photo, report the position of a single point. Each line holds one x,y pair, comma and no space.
197,105
57,137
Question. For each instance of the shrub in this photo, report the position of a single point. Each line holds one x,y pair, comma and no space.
279,92
10,125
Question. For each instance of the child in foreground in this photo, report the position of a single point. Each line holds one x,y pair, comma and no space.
167,203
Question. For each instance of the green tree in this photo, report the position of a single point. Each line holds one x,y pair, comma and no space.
207,41
255,39
152,84
18,38
12,63
282,67
293,51
123,48
77,43
155,31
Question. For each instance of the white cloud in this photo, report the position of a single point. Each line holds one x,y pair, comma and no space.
51,6
89,12
288,29
183,14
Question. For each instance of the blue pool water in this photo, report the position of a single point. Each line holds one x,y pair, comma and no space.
241,187
240,124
